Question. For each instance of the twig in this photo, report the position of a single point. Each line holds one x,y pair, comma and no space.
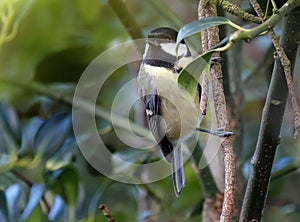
87,106
106,213
204,81
257,9
126,18
208,8
261,29
235,10
121,9
30,184
286,64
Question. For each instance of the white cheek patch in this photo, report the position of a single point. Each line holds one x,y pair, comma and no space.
146,50
170,48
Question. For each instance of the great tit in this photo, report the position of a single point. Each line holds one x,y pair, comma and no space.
172,116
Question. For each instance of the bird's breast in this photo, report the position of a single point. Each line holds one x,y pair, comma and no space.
180,114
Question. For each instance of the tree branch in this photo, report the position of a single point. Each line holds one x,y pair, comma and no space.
248,34
234,94
268,139
30,184
207,9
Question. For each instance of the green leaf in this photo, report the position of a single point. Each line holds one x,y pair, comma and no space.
64,182
59,211
283,167
14,197
71,25
29,131
200,25
8,144
63,156
189,76
197,208
3,209
9,129
36,193
36,214
11,119
133,156
93,204
52,134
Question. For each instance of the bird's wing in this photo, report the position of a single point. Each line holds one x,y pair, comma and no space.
152,102
174,156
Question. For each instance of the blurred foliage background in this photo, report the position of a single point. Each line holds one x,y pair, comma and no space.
45,45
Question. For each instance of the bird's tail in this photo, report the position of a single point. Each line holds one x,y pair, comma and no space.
177,171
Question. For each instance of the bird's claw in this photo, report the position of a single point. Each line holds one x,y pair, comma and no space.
217,132
221,132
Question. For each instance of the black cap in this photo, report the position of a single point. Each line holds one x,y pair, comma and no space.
164,33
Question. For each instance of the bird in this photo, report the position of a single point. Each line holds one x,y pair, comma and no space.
172,115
